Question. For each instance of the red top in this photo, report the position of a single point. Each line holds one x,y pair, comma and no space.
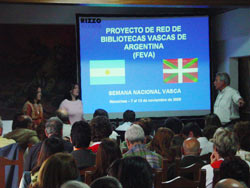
94,147
216,164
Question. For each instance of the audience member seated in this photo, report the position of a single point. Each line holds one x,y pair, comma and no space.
242,130
106,182
212,120
147,126
23,134
15,119
74,184
236,168
62,114
174,123
128,119
80,138
190,155
4,141
49,147
102,112
135,140
225,145
53,128
192,129
132,172
56,170
100,129
161,143
107,153
229,183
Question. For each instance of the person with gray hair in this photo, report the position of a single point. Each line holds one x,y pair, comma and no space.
53,128
135,139
226,144
228,100
4,141
106,182
74,184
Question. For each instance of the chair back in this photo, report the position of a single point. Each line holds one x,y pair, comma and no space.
216,177
193,171
180,182
6,162
89,177
82,172
165,165
157,177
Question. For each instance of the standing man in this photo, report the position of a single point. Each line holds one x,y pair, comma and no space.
228,99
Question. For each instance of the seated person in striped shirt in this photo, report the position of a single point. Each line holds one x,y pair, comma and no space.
135,139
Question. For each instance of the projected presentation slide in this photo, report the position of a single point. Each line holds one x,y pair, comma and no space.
157,67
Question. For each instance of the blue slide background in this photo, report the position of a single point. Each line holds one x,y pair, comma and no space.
146,73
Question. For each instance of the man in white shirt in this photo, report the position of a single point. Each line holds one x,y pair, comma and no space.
228,99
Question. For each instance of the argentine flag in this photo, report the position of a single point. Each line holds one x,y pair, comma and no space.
107,72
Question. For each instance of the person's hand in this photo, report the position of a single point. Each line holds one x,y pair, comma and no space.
241,102
212,158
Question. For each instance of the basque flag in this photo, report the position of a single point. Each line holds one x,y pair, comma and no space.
181,70
107,72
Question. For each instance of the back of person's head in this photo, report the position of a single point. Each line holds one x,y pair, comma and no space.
23,121
209,131
54,126
135,172
100,112
135,134
191,129
236,168
228,183
74,184
173,123
212,120
100,128
63,115
129,116
16,116
224,77
191,146
49,147
162,141
225,142
56,170
146,124
108,151
106,182
176,145
80,134
242,130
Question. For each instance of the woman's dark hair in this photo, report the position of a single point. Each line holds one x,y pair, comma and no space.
173,123
32,93
100,128
236,168
133,172
56,170
100,112
108,151
49,147
212,120
161,142
68,94
15,119
80,134
176,145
